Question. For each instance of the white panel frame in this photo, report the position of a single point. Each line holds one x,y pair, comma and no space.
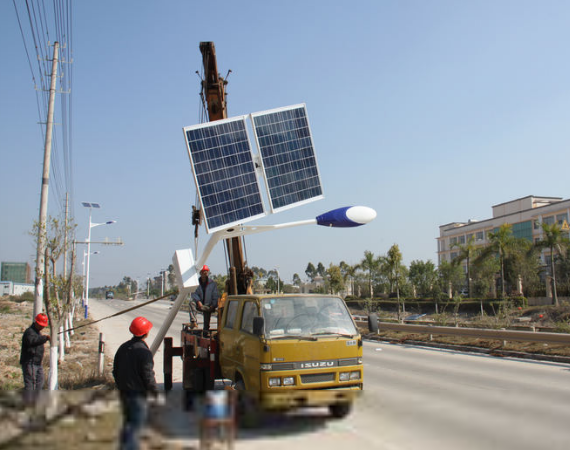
212,124
276,110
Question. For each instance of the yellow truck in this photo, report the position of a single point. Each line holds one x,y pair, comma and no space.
282,352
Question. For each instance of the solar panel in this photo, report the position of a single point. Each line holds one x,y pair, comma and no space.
222,163
284,140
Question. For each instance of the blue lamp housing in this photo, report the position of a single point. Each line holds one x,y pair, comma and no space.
349,216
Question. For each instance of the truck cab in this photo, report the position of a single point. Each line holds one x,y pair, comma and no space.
290,351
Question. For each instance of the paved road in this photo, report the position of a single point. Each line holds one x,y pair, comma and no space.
414,399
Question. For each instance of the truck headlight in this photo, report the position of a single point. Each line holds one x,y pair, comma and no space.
288,381
275,381
344,376
355,375
265,366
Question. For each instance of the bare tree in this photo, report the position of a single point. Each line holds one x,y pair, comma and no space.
58,290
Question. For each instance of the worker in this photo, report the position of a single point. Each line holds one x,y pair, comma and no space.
133,370
204,298
31,357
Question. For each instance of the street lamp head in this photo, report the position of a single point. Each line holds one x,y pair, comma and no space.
110,222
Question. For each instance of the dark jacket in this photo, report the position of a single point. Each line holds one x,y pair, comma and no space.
133,367
32,346
208,295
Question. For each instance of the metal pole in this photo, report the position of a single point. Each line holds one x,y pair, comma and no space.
87,268
38,290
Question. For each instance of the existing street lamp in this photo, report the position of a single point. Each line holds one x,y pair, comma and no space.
83,265
91,225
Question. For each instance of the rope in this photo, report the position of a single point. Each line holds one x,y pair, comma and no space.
117,314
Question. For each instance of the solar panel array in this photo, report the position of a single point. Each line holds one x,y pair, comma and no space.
288,157
224,171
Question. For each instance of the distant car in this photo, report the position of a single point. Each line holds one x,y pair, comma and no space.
109,295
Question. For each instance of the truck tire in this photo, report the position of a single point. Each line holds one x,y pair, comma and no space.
247,409
340,410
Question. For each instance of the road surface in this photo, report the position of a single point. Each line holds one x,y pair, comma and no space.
414,398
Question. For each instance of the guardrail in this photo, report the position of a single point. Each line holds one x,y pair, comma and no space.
500,335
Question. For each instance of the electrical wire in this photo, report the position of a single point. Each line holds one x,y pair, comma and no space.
47,20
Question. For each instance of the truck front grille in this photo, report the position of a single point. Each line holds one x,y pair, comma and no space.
317,378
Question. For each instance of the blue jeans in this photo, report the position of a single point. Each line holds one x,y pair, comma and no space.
135,412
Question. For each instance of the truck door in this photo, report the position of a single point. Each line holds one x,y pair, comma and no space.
228,338
249,347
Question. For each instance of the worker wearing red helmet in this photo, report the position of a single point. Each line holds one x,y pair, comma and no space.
31,357
204,298
133,370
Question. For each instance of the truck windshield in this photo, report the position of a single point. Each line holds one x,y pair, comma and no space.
306,316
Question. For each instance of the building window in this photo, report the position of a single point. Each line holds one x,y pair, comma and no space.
469,237
462,240
453,241
560,218
548,220
453,255
479,236
537,224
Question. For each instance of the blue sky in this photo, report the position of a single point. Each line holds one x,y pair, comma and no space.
427,111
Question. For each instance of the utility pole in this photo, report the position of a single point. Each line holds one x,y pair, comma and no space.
38,290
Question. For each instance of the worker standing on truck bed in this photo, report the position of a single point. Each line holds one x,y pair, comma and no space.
204,298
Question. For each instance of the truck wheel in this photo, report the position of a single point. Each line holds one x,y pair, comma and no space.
247,408
340,410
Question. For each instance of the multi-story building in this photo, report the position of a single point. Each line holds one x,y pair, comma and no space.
524,214
15,272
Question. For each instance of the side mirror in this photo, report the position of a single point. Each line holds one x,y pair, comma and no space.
258,325
372,323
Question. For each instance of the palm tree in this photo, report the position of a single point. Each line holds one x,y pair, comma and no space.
501,242
394,270
349,274
466,252
554,240
369,264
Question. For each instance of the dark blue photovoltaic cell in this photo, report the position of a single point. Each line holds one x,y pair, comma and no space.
225,173
288,156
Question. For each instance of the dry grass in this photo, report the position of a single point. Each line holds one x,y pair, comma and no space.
77,371
77,379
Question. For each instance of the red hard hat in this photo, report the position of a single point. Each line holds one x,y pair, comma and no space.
140,326
42,320
204,268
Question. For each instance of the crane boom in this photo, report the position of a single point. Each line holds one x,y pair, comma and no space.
214,95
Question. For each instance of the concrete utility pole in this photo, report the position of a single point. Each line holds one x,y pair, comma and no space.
38,291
